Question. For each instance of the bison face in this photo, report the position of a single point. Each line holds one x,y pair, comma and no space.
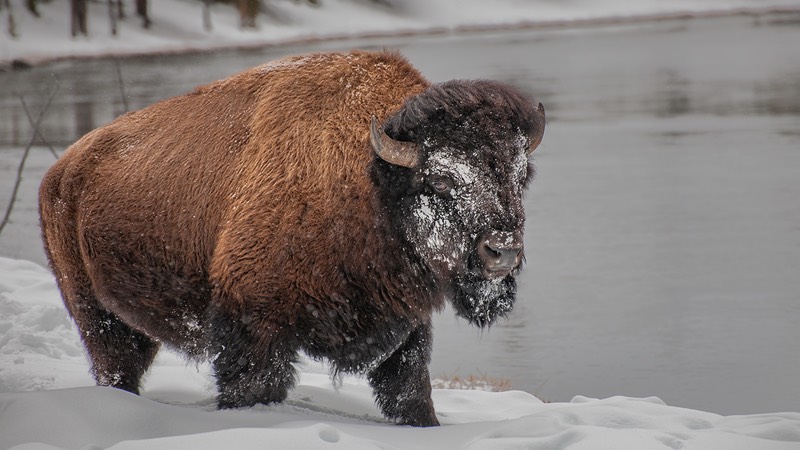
465,220
457,171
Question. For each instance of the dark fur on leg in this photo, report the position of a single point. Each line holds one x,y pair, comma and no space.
119,354
402,383
253,361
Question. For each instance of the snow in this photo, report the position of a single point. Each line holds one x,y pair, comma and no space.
178,25
448,162
48,401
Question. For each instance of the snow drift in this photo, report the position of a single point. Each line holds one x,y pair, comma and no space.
47,400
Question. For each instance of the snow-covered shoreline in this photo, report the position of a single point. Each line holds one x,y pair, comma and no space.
48,401
177,26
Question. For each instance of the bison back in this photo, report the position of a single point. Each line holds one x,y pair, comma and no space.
241,190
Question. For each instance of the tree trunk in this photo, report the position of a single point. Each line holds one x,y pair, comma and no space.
207,15
79,25
12,25
32,7
112,16
141,10
248,10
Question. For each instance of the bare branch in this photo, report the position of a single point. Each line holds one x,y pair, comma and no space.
36,130
121,86
25,153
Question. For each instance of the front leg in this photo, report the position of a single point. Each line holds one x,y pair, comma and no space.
402,384
253,360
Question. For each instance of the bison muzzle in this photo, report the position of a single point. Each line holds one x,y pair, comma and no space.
326,203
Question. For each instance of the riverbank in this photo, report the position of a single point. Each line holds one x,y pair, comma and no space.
177,25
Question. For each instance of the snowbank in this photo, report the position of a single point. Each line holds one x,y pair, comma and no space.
178,25
47,400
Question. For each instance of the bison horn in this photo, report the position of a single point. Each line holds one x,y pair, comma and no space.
395,152
538,123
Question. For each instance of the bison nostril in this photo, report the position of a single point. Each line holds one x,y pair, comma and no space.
493,251
499,256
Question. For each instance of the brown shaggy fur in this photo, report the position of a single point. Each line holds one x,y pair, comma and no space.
239,222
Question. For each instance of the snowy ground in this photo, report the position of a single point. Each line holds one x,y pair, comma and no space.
47,400
178,26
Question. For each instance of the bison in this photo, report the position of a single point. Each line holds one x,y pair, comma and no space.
325,203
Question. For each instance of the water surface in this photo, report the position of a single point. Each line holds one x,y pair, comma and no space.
663,233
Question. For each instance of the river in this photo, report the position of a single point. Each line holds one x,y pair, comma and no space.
663,231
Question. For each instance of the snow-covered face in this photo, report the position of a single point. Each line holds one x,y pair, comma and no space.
450,169
465,219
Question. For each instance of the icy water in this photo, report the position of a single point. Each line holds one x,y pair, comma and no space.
663,233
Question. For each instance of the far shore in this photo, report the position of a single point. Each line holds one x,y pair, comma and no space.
24,62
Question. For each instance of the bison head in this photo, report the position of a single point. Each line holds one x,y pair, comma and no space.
452,165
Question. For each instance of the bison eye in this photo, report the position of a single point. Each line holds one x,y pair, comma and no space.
440,184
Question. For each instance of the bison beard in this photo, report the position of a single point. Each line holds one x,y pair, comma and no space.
327,203
482,301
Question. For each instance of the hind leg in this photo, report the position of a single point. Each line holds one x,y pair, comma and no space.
119,355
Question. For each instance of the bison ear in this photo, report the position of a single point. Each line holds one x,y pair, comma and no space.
399,153
538,128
